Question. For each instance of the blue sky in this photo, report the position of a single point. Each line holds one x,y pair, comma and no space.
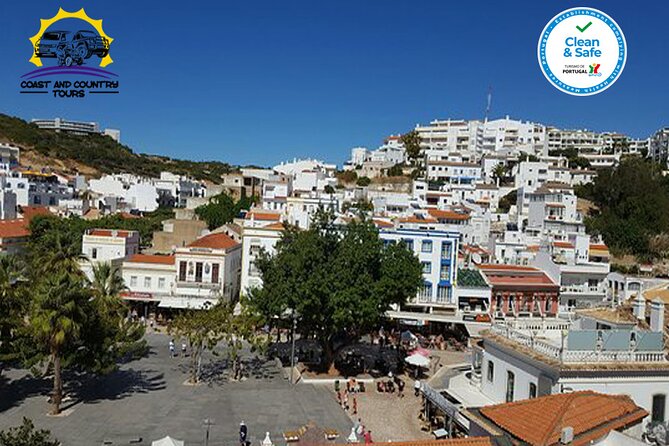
262,81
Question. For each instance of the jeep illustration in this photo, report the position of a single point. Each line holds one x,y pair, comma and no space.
71,47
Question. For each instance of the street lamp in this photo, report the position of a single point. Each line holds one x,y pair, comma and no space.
207,423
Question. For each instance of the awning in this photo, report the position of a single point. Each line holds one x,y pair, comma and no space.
185,302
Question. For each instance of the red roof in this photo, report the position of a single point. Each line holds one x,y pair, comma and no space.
256,215
278,225
382,223
29,212
110,233
470,441
516,276
148,258
14,228
502,267
415,219
563,245
216,240
540,421
448,215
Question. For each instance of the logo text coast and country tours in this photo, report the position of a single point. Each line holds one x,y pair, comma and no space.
71,52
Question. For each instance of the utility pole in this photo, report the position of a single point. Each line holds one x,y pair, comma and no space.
292,351
207,422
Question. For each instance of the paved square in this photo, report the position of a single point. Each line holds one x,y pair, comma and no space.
147,399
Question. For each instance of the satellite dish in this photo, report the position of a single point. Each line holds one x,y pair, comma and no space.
476,258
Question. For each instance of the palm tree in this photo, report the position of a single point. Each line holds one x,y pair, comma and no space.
12,305
58,314
499,172
107,285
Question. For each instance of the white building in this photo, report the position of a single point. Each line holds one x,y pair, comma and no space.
438,253
254,239
64,125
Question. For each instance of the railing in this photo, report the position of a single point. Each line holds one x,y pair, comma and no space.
575,356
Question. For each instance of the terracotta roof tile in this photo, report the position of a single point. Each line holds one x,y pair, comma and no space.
448,215
256,215
216,240
14,228
540,421
148,258
110,233
563,245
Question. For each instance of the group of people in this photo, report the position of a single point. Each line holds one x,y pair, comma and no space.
172,347
352,389
361,432
389,386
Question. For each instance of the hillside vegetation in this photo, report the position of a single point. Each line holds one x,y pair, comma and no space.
98,153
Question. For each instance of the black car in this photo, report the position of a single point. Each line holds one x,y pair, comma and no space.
71,47
51,43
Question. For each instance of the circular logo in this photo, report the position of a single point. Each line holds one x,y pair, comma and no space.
582,51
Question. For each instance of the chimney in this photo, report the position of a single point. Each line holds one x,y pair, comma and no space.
639,307
657,315
567,435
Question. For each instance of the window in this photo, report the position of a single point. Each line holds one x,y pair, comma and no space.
510,383
161,282
427,267
182,271
659,403
491,371
446,250
426,246
533,390
443,294
409,244
445,273
133,280
214,272
94,253
147,282
198,272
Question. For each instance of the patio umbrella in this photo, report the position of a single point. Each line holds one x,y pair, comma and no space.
420,351
407,336
418,360
167,441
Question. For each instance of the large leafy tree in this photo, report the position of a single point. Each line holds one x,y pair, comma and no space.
632,203
336,279
221,209
411,141
27,435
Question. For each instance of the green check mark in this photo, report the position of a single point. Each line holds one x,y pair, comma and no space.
584,28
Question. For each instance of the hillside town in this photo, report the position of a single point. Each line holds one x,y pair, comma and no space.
525,332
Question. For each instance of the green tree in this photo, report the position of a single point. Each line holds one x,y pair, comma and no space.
499,173
337,279
222,209
632,202
107,285
27,435
411,141
58,314
395,171
363,181
13,305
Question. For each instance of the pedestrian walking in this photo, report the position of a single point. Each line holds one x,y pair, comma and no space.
368,437
171,348
243,434
360,429
355,405
345,405
400,388
183,348
416,387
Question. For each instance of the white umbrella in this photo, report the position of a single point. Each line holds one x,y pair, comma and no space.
167,441
418,360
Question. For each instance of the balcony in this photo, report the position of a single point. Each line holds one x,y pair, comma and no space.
583,289
198,285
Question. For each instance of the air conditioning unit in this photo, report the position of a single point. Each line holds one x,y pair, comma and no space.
567,435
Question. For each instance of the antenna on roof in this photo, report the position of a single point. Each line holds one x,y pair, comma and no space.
488,104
